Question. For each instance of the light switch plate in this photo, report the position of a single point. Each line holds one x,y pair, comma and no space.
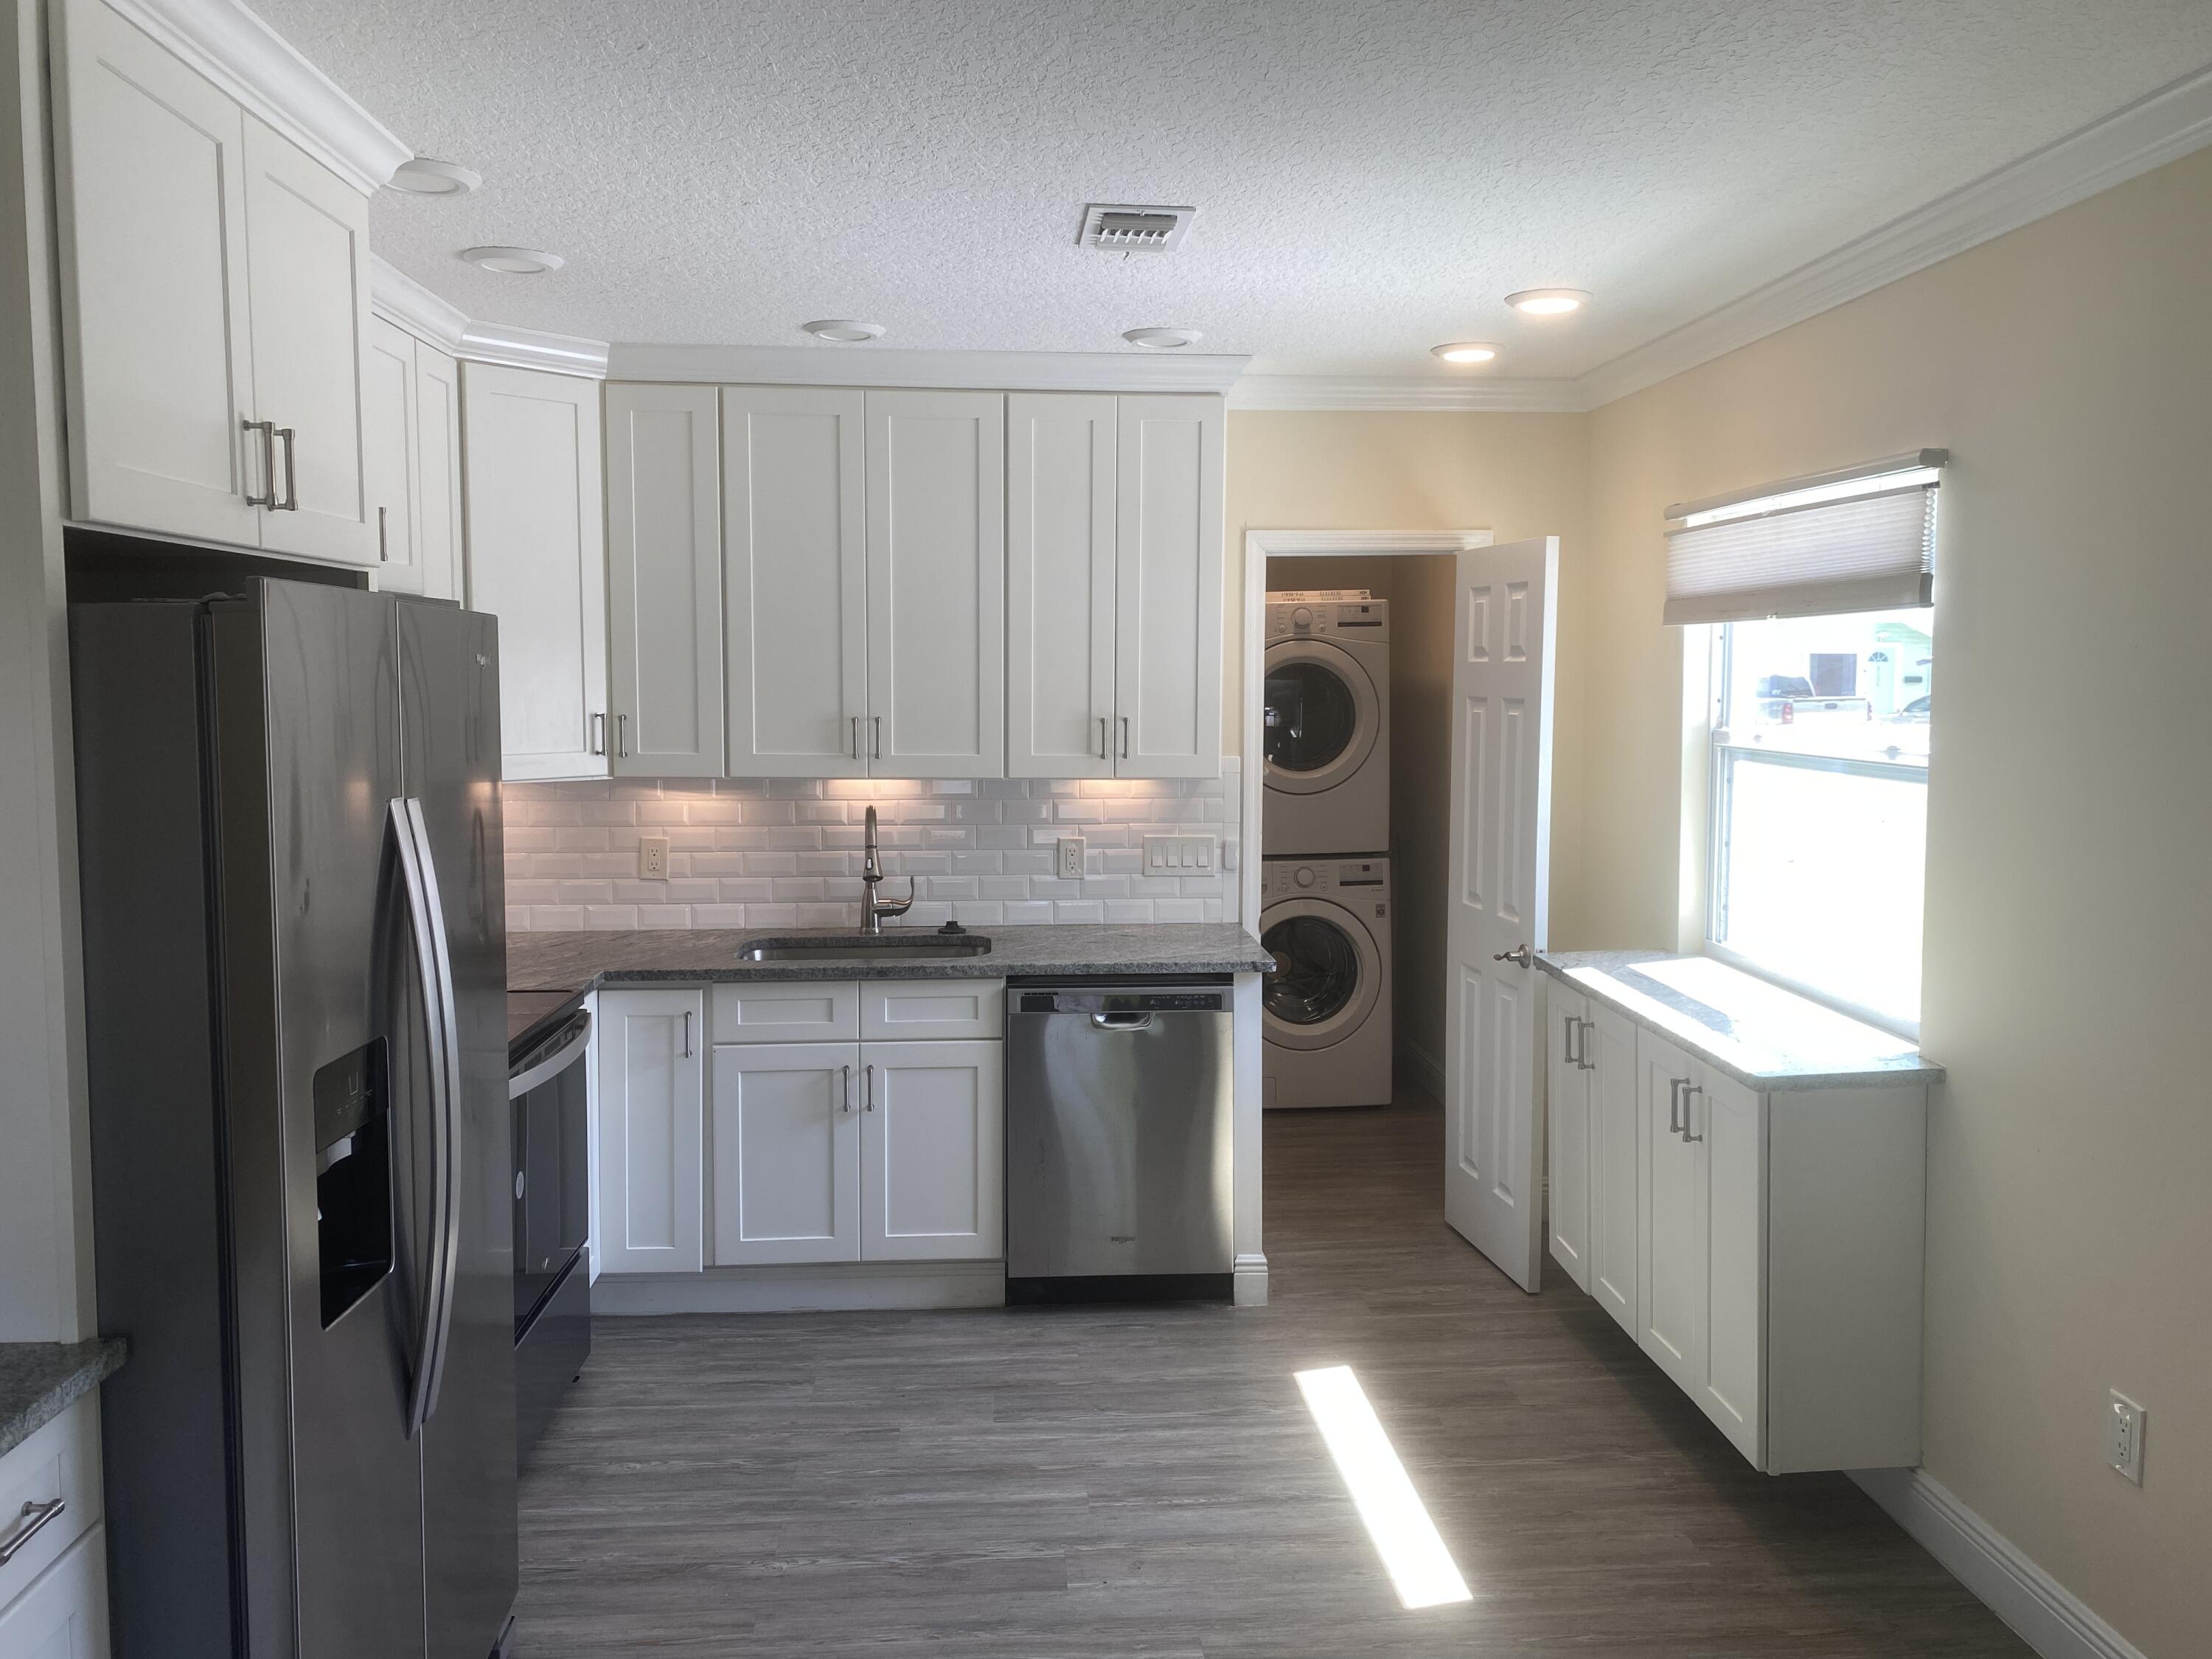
1181,855
653,858
1070,867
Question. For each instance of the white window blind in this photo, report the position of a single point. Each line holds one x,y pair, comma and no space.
1862,539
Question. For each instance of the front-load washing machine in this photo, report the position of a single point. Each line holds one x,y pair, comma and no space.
1325,1010
1325,725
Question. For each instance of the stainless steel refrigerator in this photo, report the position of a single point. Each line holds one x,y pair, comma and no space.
295,961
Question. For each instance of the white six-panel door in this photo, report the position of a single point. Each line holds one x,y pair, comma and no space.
308,236
937,542
665,580
151,177
1496,902
1615,1120
795,581
537,540
651,1174
932,1151
1168,571
1567,1131
1061,449
787,1152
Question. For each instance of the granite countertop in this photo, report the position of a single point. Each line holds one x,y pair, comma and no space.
1764,1037
39,1381
571,962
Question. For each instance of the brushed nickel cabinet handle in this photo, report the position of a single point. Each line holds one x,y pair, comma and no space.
1582,1058
622,736
1125,736
871,1096
1689,1089
1675,1104
291,502
856,736
268,431
383,543
687,1033
36,1518
598,733
848,1087
879,736
1105,747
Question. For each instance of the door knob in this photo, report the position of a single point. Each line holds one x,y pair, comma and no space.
1519,957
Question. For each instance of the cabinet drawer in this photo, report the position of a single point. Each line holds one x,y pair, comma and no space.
60,1461
64,1614
787,1011
908,1010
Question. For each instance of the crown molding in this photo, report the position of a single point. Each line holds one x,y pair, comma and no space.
400,300
1408,392
874,366
2152,131
260,70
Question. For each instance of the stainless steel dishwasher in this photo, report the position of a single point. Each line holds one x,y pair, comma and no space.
1118,1141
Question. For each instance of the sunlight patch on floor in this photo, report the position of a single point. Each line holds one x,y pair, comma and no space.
1412,1551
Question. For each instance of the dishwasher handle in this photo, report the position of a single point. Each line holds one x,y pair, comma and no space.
1122,1022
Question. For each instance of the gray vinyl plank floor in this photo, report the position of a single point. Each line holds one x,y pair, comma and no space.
1077,1484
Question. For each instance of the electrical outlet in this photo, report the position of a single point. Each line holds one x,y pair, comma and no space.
2124,1445
1071,859
653,858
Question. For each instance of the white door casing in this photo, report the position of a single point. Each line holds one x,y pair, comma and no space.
652,1131
795,581
1500,874
665,582
787,1152
937,567
1060,496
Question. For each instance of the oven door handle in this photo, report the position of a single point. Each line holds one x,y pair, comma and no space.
555,1063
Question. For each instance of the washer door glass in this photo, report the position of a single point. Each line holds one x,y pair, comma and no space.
1319,718
1316,970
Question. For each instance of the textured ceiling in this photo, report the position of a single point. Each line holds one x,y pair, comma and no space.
1371,175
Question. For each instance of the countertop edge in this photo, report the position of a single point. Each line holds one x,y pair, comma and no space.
1927,1073
77,1369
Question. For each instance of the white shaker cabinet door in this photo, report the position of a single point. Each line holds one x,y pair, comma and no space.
937,563
932,1151
795,582
437,471
1674,1232
665,580
786,1137
1567,1132
1167,568
150,176
64,1614
1060,469
391,454
536,560
1615,1125
652,1131
1729,1131
308,232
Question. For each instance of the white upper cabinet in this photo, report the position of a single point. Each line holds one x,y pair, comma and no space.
391,453
795,582
307,231
1060,451
215,299
537,558
936,539
1168,560
437,471
665,580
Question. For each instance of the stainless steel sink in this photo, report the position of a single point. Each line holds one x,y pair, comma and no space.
857,947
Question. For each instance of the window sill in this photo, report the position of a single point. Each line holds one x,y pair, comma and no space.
1880,1021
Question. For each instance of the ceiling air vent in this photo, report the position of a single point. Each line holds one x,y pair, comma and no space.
1121,227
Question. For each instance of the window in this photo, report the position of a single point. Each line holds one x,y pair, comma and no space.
1819,802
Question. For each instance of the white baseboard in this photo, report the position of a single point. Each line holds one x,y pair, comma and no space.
1424,1067
1250,1284
2047,1615
805,1289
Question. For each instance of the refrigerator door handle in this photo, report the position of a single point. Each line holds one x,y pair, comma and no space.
433,966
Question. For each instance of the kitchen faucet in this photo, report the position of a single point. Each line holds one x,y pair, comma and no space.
873,909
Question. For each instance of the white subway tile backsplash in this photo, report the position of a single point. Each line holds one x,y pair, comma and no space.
784,852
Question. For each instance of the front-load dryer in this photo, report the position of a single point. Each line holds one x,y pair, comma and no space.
1325,1010
1325,726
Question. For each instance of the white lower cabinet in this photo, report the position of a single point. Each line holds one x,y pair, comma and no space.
53,1584
932,1151
63,1614
787,1149
1764,1248
652,1164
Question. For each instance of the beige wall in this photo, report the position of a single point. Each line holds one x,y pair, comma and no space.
1514,475
2068,366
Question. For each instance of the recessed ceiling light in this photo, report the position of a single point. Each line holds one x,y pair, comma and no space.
513,261
1547,302
424,177
1465,351
1163,339
846,331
